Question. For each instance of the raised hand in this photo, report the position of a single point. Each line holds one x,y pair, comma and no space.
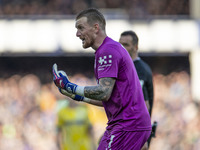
61,80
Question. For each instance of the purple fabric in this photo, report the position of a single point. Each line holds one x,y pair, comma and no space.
126,109
123,140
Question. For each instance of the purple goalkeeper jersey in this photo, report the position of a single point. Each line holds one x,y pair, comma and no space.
126,109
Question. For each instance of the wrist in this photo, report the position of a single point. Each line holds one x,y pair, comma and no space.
78,98
70,87
80,90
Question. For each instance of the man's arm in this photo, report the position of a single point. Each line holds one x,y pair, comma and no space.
94,94
150,92
94,102
147,104
80,98
146,96
102,91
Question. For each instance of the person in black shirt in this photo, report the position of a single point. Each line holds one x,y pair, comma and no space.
129,40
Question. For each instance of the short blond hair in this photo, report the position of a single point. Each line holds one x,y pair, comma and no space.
93,15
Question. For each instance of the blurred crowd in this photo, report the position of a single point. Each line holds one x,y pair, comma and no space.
133,8
177,114
28,113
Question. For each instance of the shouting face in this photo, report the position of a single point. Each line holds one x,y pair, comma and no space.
85,32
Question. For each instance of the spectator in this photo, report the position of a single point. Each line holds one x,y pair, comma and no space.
74,128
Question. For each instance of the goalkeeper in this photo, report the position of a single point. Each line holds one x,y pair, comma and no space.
118,88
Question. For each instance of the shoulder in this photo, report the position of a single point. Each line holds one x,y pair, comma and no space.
110,49
141,64
142,61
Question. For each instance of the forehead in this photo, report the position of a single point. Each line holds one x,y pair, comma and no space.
126,38
81,21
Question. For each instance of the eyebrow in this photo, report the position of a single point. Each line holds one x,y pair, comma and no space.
77,25
124,43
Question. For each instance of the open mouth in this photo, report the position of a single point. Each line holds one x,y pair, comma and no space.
83,40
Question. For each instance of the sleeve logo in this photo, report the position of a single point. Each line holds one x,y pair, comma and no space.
105,61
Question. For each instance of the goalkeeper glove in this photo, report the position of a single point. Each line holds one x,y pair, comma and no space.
64,83
61,80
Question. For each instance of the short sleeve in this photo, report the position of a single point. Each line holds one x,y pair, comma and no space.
108,62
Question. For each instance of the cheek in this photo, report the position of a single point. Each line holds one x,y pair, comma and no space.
127,48
90,34
88,37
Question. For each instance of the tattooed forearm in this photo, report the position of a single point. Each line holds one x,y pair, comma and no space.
102,91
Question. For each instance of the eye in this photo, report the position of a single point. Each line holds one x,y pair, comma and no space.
80,27
125,44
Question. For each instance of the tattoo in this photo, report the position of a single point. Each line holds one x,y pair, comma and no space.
102,91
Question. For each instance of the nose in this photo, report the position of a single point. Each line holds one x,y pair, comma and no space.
78,33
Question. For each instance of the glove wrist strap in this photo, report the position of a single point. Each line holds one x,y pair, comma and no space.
80,90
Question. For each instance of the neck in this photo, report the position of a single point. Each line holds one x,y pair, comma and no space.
99,40
135,56
138,58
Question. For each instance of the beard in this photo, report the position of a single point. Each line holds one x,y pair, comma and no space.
87,44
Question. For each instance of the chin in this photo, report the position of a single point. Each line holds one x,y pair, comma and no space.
86,46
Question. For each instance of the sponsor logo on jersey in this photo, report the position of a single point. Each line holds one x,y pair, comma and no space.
105,61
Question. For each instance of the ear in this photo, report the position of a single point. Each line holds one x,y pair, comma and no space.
136,47
96,27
